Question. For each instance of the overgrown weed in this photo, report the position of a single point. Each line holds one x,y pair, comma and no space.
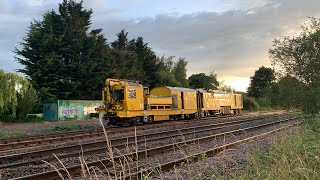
4,134
293,157
66,128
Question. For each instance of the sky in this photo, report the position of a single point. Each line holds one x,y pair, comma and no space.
229,37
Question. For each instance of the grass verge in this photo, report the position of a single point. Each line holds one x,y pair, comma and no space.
12,134
66,128
295,157
30,118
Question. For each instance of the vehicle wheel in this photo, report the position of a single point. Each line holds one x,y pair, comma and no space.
150,119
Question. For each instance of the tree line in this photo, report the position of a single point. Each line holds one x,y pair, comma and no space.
64,58
294,81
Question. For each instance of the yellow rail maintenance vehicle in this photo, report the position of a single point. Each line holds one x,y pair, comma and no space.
127,102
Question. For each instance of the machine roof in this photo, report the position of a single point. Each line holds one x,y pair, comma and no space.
202,90
181,89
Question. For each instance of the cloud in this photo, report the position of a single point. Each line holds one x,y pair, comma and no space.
233,41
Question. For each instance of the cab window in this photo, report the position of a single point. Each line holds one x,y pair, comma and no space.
118,95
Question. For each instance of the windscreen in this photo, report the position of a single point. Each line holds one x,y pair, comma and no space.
118,95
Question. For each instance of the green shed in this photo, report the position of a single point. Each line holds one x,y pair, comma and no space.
61,110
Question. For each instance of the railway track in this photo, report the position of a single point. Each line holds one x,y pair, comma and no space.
9,161
74,170
11,144
198,156
37,140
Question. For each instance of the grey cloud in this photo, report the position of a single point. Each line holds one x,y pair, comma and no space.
232,43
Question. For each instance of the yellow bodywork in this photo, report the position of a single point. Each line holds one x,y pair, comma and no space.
217,100
178,101
126,100
132,103
132,106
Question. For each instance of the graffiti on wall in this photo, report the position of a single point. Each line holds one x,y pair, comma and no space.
69,111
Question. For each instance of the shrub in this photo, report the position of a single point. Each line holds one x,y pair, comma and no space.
250,104
27,102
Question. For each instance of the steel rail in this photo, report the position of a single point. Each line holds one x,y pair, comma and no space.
4,141
76,170
32,141
209,153
33,154
10,146
120,144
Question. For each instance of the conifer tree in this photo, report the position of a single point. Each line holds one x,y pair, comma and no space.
61,57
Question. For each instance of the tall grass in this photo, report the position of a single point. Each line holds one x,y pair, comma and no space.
295,157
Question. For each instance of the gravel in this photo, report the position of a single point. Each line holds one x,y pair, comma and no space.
45,127
180,152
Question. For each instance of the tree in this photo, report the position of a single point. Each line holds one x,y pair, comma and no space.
147,60
290,92
61,58
164,75
225,88
124,61
13,88
26,102
262,78
203,81
180,72
299,56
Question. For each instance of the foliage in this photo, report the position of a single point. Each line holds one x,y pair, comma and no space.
250,104
27,102
164,75
290,92
296,157
13,89
204,81
4,134
299,56
64,60
225,88
29,118
262,78
61,57
180,72
64,128
269,97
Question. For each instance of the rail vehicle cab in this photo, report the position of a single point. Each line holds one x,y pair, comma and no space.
122,101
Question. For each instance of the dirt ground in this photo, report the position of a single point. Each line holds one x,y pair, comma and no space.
45,126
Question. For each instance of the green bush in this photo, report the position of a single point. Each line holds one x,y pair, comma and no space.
27,102
29,118
250,104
